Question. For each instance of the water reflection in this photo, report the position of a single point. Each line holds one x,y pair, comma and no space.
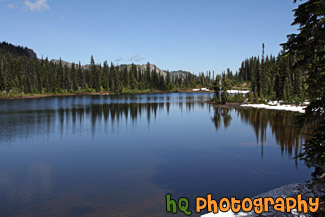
108,116
26,124
288,135
221,115
119,155
231,168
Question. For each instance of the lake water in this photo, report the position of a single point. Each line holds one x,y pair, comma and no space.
119,155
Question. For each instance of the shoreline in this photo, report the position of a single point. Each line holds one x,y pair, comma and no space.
290,108
277,106
35,96
271,105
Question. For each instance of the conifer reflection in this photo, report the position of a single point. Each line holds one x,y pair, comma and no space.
288,135
221,115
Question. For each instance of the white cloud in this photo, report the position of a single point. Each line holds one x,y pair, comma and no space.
37,5
136,58
11,6
119,59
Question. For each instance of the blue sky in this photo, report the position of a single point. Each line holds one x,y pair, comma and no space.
193,35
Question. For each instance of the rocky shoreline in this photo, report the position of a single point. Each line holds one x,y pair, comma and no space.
314,189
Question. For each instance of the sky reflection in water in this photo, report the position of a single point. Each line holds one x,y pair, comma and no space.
119,155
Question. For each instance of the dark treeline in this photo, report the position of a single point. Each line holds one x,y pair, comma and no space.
20,72
16,50
269,78
273,78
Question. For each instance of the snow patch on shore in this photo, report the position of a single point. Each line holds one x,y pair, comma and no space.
238,91
277,106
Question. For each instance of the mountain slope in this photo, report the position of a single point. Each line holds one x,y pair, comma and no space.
17,50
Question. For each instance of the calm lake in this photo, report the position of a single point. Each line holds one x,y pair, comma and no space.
119,155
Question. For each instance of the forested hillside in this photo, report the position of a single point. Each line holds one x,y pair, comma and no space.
22,72
17,50
269,78
274,78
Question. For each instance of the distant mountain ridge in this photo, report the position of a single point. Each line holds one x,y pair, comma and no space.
64,63
143,67
6,47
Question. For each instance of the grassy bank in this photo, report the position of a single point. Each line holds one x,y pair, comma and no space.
18,95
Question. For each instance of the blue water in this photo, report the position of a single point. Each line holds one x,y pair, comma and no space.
119,155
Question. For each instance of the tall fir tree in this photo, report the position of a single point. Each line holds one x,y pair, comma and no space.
308,47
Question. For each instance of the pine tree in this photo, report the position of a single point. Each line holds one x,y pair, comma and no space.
2,75
74,77
106,76
111,78
217,87
168,80
225,86
147,76
308,47
81,76
133,74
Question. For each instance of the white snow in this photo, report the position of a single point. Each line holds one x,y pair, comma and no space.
277,106
201,89
238,91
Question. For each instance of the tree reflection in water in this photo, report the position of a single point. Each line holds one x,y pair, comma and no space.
107,115
287,133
